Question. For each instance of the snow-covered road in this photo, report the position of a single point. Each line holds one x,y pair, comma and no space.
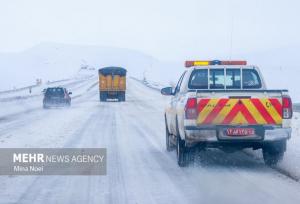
140,170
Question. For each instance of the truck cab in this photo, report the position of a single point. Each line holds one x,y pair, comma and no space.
112,83
226,105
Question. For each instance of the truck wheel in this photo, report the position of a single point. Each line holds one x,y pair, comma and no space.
274,152
68,104
181,150
182,153
169,144
272,158
103,96
121,96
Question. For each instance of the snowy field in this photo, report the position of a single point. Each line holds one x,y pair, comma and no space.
140,170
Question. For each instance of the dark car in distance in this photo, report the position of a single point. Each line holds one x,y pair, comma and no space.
56,97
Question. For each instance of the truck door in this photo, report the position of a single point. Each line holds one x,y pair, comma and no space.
173,105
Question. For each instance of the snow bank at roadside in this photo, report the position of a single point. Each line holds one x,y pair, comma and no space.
150,84
25,102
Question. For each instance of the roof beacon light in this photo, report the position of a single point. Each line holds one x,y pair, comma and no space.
214,62
233,62
196,63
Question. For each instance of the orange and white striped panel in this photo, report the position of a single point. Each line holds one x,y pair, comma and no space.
254,111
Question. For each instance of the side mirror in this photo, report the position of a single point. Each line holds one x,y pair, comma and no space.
168,91
70,93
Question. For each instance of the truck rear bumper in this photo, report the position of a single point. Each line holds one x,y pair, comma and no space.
112,94
56,103
278,134
195,134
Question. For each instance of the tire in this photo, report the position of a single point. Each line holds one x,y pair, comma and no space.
169,145
274,152
121,96
181,150
120,99
182,153
103,96
68,104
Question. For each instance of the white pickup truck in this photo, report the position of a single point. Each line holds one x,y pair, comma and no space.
226,105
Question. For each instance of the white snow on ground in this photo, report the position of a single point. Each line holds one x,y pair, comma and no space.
140,170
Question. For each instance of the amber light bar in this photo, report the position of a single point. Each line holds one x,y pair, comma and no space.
214,62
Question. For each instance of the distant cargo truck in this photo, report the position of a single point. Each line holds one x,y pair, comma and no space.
112,83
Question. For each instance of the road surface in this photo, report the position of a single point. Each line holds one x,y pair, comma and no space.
140,170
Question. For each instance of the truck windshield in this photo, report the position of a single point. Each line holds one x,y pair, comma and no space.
199,79
216,79
251,79
233,78
57,92
224,78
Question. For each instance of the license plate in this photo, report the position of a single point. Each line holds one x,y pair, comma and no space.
240,131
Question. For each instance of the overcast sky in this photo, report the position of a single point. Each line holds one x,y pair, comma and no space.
166,29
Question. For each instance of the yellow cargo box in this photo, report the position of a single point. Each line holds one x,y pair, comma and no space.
112,83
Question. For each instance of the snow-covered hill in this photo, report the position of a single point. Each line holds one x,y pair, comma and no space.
54,61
